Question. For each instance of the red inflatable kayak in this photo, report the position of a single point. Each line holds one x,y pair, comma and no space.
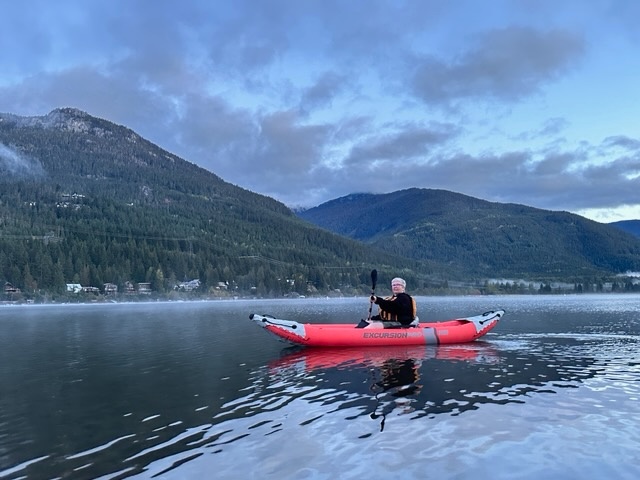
459,330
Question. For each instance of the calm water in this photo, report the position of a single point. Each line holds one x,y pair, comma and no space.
196,390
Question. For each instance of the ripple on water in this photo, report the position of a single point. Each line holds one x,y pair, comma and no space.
539,397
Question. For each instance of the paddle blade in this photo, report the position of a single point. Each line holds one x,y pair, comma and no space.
374,278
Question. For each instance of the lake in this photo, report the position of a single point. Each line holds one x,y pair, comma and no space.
197,390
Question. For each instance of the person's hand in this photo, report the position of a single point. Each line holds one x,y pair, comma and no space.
373,299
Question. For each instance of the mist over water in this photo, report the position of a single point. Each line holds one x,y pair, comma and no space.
196,390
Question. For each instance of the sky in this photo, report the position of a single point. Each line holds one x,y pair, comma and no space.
534,102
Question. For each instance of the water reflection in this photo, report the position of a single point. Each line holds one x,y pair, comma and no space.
400,379
429,381
182,396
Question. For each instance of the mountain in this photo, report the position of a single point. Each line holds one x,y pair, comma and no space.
86,201
629,226
479,238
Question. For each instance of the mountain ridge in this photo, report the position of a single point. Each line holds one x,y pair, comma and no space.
117,208
429,224
629,226
86,201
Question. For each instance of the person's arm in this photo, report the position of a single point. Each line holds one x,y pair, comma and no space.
397,306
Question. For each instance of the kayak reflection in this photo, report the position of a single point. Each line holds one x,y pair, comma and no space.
393,373
427,381
341,357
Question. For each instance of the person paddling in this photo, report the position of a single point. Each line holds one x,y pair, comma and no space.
396,311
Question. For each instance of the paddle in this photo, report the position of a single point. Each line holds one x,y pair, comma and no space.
374,280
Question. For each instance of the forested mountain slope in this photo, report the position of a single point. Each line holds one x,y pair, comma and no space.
629,226
83,200
481,238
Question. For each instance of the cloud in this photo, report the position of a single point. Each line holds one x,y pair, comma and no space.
322,92
505,64
552,127
289,146
274,153
630,144
546,178
307,101
408,142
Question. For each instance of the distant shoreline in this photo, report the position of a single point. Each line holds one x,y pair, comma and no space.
363,298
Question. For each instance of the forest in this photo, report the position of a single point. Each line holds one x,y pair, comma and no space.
87,202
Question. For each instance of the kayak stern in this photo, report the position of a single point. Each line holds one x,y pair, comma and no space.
287,330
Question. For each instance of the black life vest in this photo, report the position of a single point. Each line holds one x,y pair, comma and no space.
403,318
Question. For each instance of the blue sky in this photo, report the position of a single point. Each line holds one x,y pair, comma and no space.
533,102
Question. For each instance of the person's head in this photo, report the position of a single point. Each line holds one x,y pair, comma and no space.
398,285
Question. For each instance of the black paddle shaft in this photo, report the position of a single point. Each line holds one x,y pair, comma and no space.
374,280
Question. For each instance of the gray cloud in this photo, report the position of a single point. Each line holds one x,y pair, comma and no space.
322,92
506,64
409,142
307,101
631,144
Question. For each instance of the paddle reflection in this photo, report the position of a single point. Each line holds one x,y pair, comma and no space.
393,374
427,381
400,380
